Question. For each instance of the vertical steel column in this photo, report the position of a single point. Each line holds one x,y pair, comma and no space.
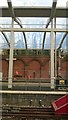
55,49
52,56
10,74
0,60
59,67
0,67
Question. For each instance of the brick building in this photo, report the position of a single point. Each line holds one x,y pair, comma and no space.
32,65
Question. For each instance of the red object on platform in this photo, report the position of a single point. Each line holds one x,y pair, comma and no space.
60,106
17,73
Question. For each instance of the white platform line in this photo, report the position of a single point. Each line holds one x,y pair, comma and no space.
34,92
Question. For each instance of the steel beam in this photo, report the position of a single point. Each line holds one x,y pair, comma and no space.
15,19
36,11
5,38
62,40
53,10
52,56
59,64
10,75
55,49
33,29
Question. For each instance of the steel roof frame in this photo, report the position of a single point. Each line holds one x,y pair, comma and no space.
53,10
34,12
15,19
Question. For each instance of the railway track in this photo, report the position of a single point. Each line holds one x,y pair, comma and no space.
29,112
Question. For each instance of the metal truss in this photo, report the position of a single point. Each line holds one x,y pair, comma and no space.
53,10
15,19
33,29
63,40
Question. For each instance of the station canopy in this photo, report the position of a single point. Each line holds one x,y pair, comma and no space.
33,14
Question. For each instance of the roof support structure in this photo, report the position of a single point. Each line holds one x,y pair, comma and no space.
10,72
55,51
53,10
5,38
52,64
34,29
35,11
62,40
15,19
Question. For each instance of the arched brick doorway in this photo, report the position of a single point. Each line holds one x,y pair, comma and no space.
18,69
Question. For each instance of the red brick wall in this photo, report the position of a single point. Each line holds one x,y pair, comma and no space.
18,68
45,72
0,65
64,69
32,67
5,68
